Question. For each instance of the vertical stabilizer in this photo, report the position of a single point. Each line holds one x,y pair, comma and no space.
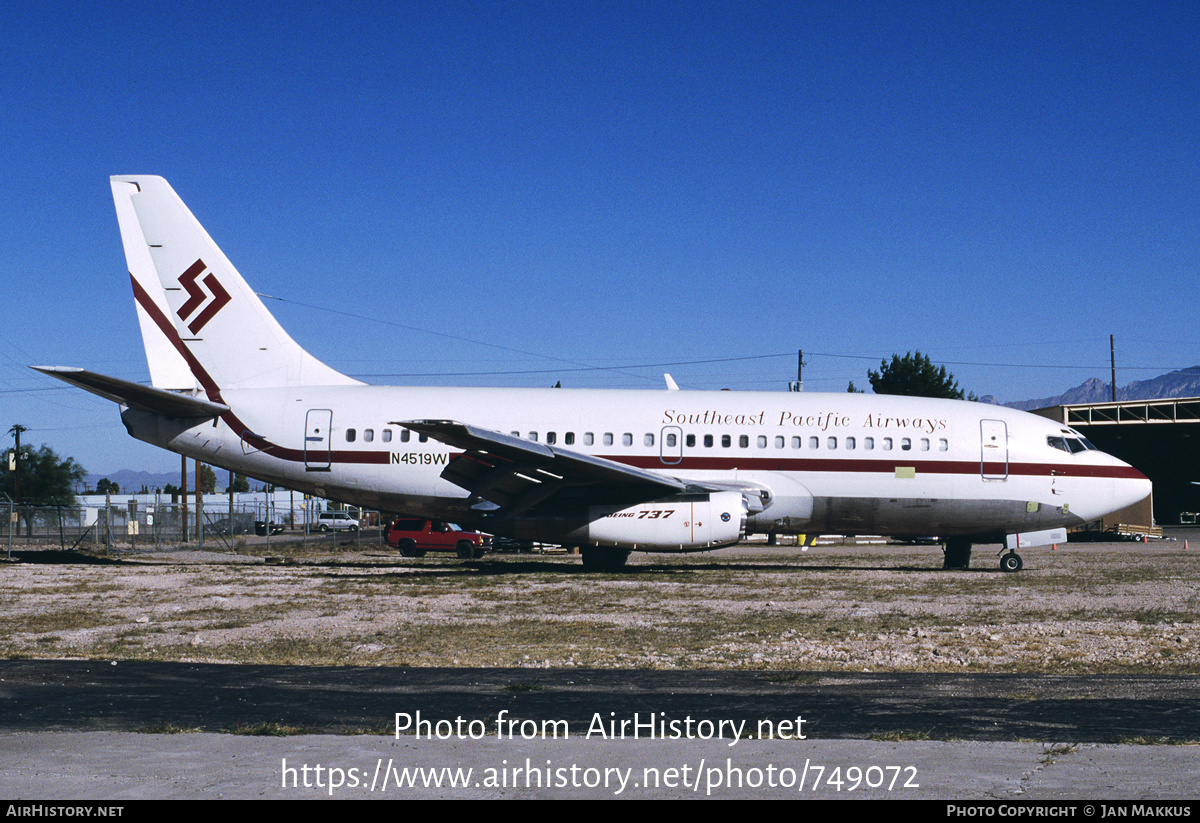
201,323
168,369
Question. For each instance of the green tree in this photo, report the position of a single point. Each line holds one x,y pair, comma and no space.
106,486
914,374
46,481
239,484
208,479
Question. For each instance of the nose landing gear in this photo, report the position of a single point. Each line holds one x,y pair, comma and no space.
1011,562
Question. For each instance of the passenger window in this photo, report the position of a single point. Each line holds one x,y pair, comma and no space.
708,441
887,444
671,440
762,441
905,444
350,435
424,438
779,442
850,443
831,443
627,439
608,438
405,434
924,444
868,443
648,440
797,442
588,438
368,435
551,438
726,441
691,441
814,442
532,436
743,441
386,435
569,438
943,445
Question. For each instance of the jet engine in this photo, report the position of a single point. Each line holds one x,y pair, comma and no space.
690,522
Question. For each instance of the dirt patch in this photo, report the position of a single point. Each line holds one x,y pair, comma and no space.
1082,608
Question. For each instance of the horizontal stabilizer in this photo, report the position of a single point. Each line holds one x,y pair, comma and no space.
135,395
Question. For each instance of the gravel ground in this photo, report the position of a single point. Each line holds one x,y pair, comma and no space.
1080,608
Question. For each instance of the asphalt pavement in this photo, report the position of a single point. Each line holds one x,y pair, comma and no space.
136,729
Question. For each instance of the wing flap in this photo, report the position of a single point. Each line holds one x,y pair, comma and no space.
515,474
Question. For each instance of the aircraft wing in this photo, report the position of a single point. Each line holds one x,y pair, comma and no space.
135,395
515,474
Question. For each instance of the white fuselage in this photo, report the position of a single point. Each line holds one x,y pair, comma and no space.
848,463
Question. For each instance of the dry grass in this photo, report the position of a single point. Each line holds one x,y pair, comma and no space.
1090,608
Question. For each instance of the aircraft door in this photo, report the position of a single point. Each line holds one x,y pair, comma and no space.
317,440
670,445
993,449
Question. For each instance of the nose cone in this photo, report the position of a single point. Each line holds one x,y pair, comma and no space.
1129,485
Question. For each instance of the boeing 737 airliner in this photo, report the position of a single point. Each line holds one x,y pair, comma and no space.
609,471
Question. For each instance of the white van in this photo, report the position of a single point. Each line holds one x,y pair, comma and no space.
336,521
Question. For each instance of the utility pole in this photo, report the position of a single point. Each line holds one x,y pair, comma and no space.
1112,362
199,509
184,534
15,431
798,383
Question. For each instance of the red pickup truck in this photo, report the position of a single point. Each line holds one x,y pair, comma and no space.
413,537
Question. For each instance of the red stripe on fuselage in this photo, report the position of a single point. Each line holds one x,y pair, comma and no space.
214,392
699,463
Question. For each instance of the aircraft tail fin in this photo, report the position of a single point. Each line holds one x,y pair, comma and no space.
202,325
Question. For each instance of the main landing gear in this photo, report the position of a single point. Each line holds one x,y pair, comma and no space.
958,553
958,556
603,559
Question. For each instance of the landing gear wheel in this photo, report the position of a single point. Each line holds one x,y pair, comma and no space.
603,559
958,553
1011,562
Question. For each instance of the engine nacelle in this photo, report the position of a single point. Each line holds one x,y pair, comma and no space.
686,523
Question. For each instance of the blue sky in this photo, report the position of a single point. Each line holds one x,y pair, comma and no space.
509,193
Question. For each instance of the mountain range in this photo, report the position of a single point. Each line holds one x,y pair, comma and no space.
1180,383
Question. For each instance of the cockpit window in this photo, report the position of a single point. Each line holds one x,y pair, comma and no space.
1070,445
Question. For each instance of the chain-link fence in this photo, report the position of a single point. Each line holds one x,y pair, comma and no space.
135,527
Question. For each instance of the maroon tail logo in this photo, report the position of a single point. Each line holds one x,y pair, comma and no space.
196,297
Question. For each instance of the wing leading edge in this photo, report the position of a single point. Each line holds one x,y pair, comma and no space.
515,475
135,395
